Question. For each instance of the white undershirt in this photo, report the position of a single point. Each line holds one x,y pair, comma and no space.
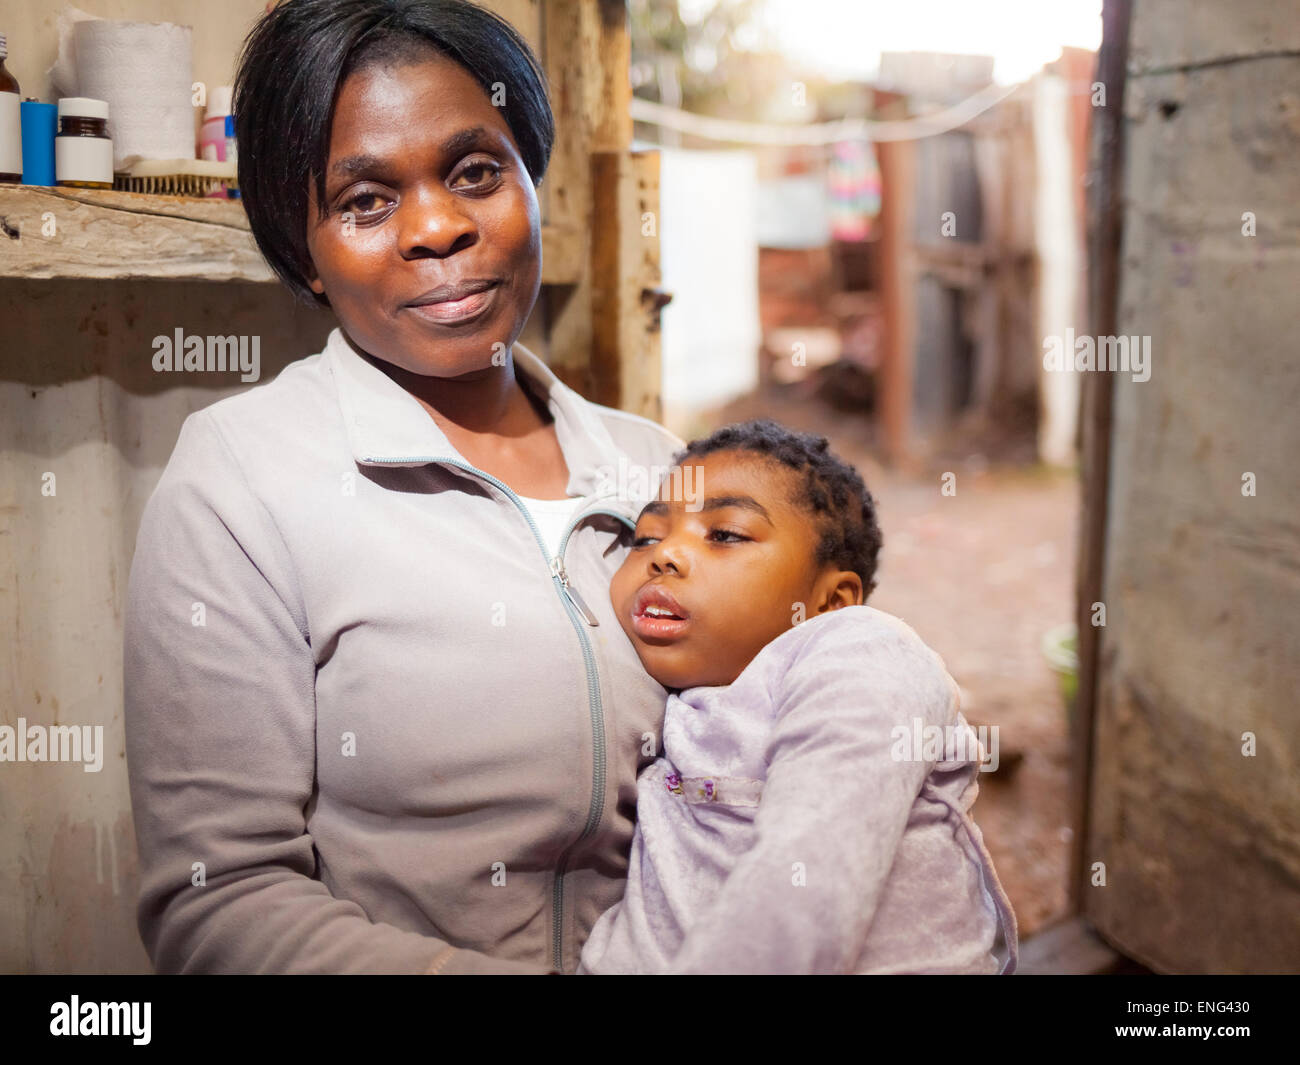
552,517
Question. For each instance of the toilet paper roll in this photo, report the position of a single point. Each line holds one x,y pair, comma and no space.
144,70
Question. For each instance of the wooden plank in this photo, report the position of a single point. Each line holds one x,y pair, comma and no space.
568,57
956,264
609,86
564,255
103,233
601,340
1072,948
626,354
898,276
1105,223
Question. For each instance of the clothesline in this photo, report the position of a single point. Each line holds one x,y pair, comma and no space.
821,133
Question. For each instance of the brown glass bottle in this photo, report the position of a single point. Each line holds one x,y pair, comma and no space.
11,144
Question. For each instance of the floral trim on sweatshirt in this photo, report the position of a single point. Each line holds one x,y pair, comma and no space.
729,791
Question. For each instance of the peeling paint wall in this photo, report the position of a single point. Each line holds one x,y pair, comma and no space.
79,399
1200,842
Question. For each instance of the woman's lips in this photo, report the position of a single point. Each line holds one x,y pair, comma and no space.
456,312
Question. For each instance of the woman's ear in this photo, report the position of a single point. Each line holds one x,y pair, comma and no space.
313,280
316,285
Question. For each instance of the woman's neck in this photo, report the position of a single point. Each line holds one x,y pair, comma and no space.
494,401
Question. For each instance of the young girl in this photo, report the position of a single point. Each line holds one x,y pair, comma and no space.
791,825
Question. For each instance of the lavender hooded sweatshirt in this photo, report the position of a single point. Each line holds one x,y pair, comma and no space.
794,824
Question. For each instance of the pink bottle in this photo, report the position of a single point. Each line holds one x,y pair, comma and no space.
212,135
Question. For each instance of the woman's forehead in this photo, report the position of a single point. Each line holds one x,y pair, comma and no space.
423,103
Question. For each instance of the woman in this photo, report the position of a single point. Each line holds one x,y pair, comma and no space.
380,716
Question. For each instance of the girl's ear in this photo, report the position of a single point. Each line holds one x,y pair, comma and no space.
839,588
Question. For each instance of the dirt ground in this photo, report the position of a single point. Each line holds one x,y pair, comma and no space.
981,575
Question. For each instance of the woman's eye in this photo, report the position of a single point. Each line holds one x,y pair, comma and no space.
481,169
353,204
642,541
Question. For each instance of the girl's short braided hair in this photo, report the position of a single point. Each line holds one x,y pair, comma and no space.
833,492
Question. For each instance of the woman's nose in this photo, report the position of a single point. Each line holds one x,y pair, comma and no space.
434,222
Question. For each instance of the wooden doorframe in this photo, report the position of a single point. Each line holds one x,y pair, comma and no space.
1105,237
602,213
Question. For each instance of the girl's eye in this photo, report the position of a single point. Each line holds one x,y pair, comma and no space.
721,536
734,537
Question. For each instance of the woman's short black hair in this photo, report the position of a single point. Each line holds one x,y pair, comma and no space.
833,492
292,66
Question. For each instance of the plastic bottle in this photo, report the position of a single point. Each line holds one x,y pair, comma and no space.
232,152
212,134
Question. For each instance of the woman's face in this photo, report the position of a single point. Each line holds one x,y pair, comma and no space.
733,560
425,188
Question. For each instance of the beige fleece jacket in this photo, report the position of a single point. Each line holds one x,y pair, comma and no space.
368,729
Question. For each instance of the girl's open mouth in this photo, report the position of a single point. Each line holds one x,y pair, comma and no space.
656,614
650,627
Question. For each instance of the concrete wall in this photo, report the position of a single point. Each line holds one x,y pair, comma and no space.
1201,843
79,399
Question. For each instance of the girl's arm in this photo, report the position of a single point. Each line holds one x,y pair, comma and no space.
834,806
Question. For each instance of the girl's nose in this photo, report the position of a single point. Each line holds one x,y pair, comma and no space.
668,557
434,222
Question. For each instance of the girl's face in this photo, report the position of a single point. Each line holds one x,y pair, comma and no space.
425,187
737,571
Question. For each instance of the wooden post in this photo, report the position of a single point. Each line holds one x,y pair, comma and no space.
1105,220
898,279
604,338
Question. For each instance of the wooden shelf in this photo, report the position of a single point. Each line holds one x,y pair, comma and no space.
104,233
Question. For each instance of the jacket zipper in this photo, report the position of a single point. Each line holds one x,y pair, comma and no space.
574,605
596,809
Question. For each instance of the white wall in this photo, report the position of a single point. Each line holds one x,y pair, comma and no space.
1060,264
709,257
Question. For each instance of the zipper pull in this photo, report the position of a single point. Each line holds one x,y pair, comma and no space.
557,568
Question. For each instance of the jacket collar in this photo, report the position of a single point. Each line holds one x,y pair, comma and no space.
387,426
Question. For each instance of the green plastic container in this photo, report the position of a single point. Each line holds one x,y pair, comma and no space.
1061,649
